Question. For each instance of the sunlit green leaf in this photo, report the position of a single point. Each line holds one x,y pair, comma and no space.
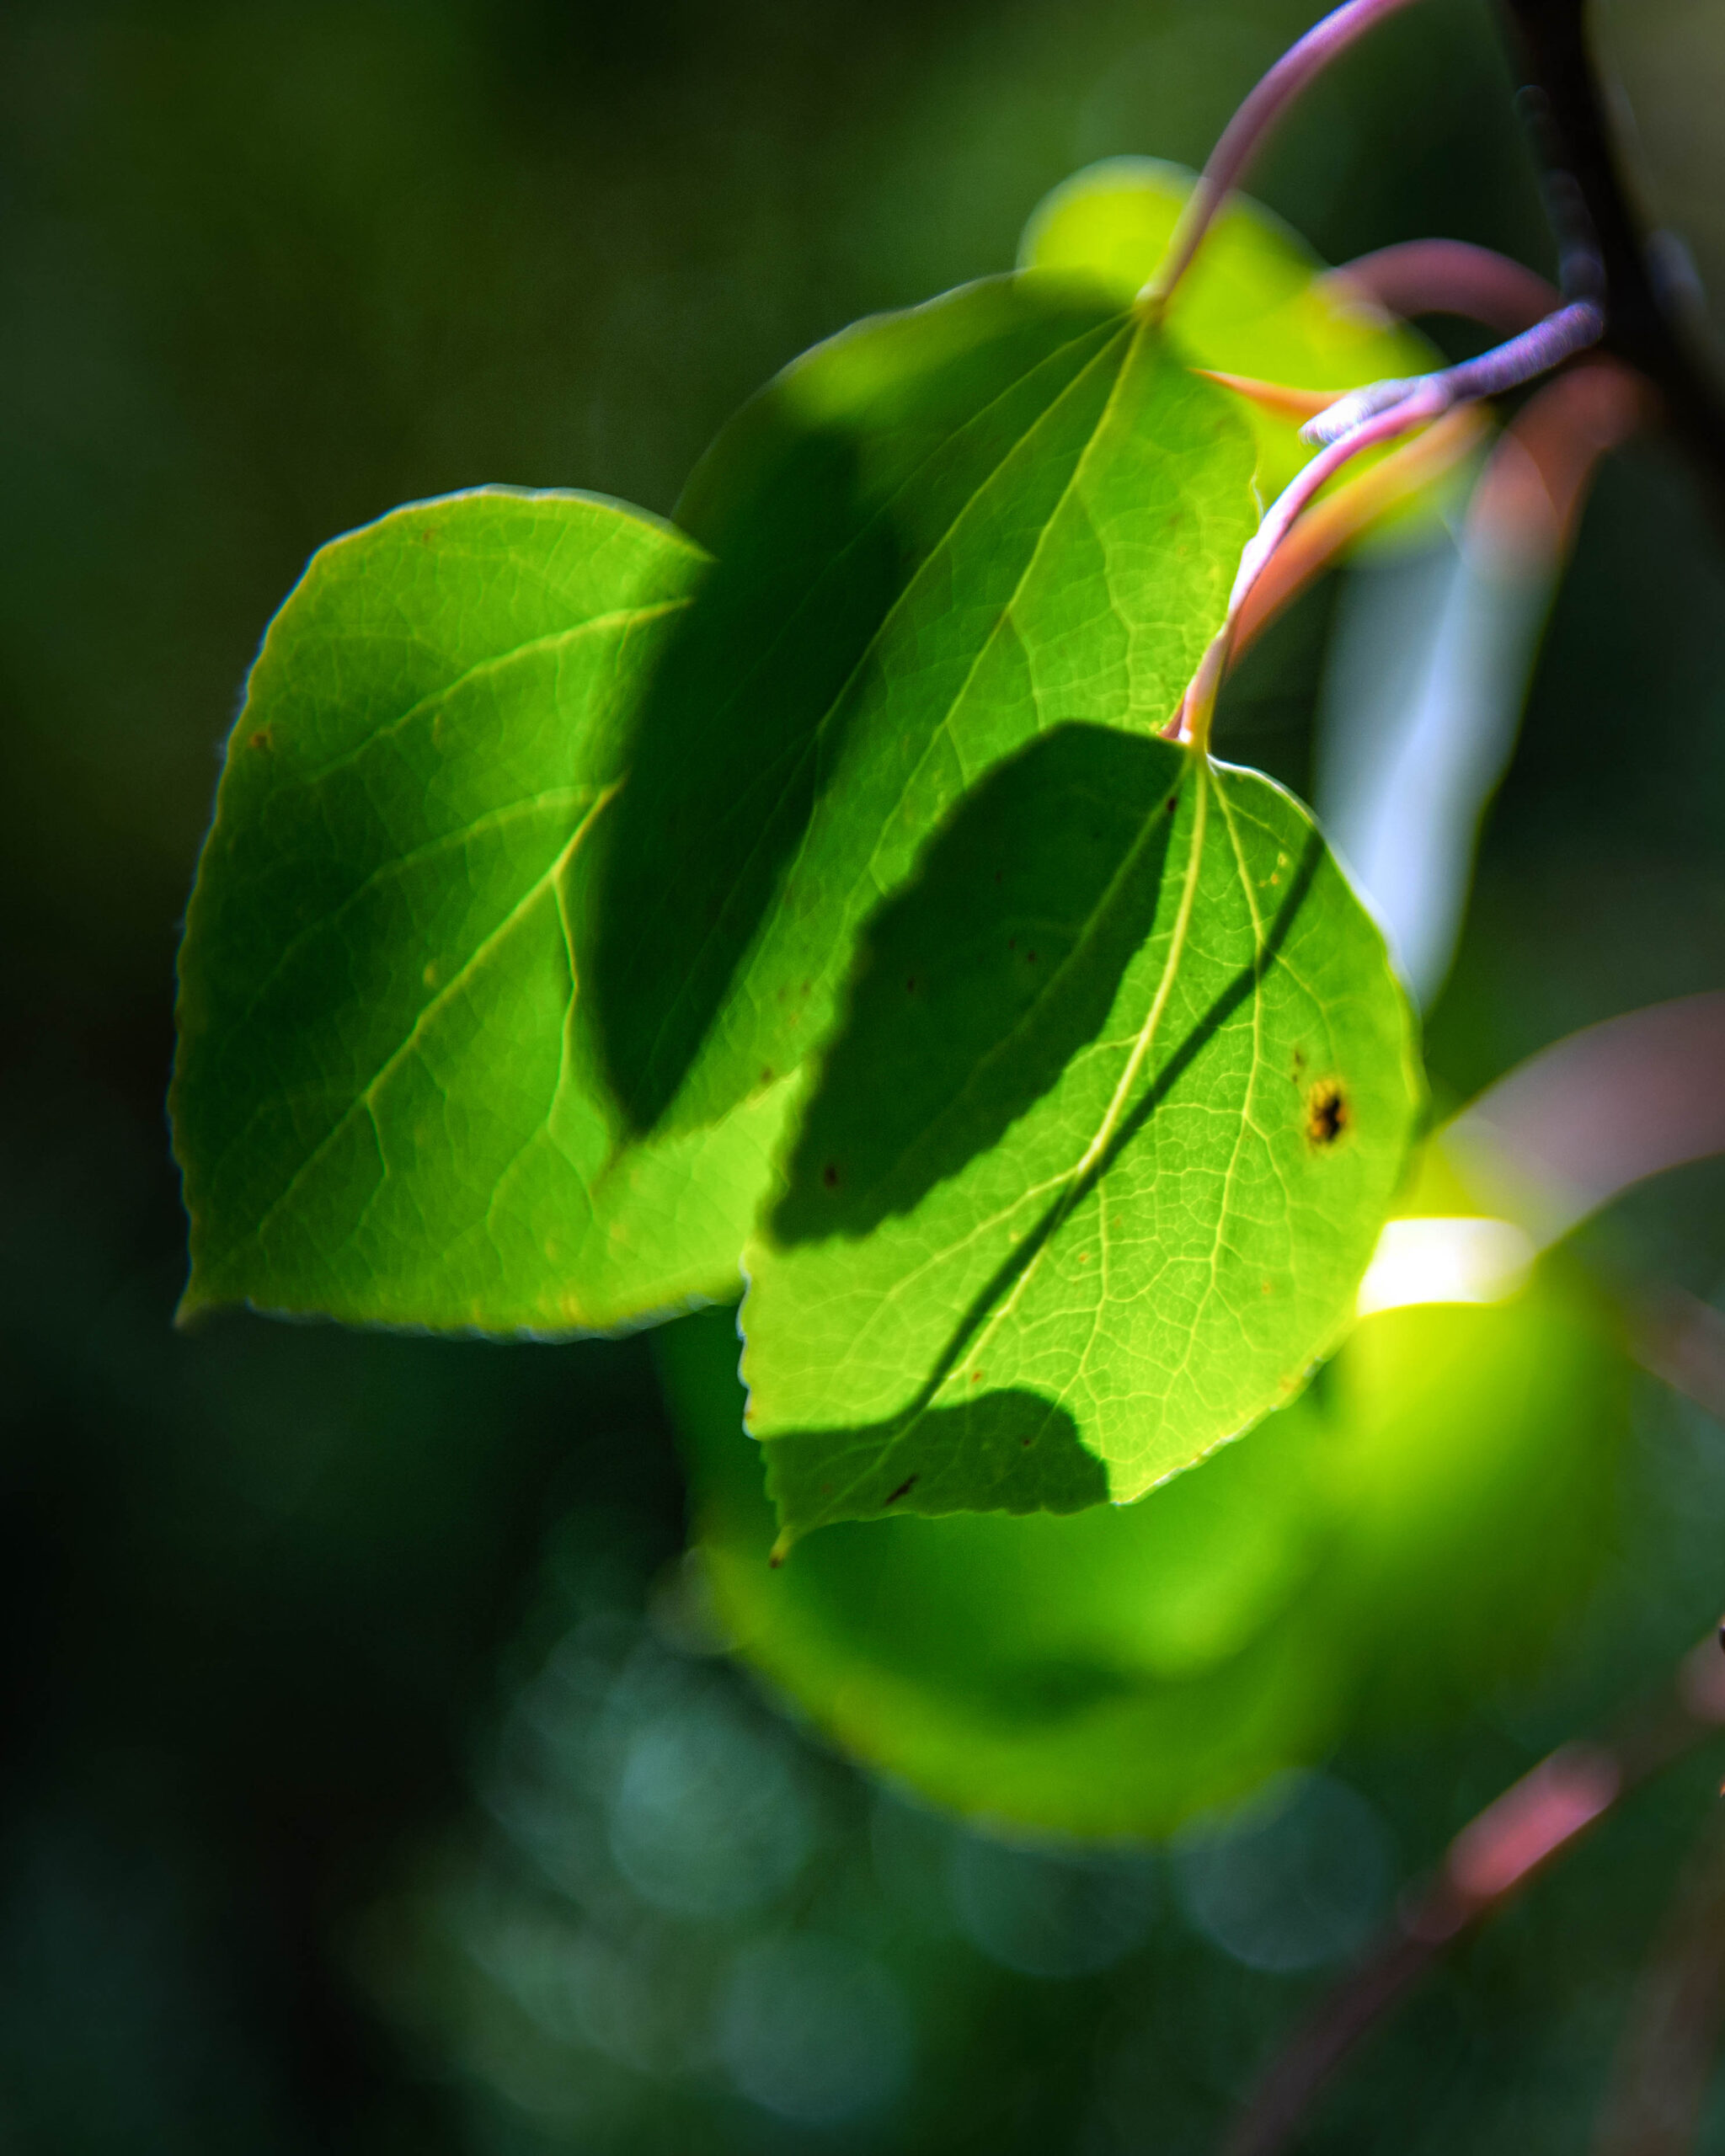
384,1103
1395,1545
1254,302
1120,1097
937,536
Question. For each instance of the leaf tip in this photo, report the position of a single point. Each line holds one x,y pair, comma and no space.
192,1311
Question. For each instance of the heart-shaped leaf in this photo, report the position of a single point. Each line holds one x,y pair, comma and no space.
384,1102
1121,1095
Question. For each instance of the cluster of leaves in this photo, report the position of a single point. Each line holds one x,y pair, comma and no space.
594,905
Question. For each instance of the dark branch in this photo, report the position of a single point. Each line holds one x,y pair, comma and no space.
1642,327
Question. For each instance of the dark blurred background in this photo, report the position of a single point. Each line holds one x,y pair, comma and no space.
272,1599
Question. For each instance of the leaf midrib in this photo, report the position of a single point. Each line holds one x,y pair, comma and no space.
1072,1178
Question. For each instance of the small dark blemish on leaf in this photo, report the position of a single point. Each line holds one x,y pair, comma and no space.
829,1177
1326,1112
976,1377
261,739
1169,803
1030,958
766,1074
910,986
904,1489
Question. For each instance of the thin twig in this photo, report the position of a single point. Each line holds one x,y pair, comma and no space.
1359,420
1247,132
1493,1857
1645,327
1342,516
1524,358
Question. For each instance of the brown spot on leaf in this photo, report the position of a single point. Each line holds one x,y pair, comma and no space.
829,1177
261,739
1327,1113
904,1489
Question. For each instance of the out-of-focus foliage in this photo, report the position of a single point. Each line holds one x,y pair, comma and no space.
1365,1555
270,269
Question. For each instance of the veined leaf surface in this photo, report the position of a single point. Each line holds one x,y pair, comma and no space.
937,536
1120,1097
384,1104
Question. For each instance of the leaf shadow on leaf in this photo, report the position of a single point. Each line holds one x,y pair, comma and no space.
1001,1430
1025,1449
976,985
698,840
856,584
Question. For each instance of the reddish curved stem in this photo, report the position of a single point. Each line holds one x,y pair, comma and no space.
1450,276
1247,132
1340,518
1532,1822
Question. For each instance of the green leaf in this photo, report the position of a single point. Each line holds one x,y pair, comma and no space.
384,1102
1122,1091
1360,1566
937,536
1254,302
